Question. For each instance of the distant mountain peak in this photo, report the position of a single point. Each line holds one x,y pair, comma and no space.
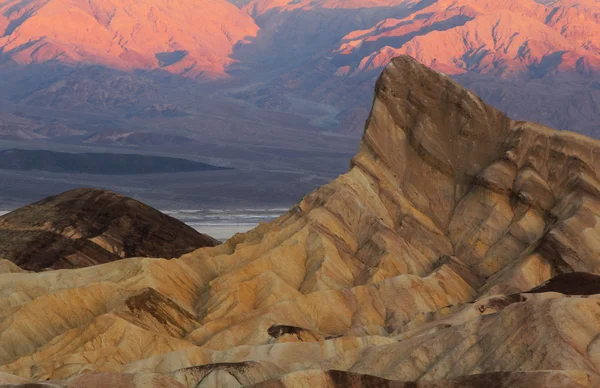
520,38
186,37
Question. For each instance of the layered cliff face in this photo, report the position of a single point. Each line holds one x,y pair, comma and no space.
428,264
86,227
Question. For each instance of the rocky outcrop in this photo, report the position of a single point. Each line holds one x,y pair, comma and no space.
86,227
460,250
492,380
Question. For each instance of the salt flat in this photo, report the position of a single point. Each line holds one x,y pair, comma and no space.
224,223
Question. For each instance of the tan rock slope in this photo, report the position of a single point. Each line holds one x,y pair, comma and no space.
86,227
426,265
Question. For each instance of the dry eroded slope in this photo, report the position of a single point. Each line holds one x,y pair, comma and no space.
416,265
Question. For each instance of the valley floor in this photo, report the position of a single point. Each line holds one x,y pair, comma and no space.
222,224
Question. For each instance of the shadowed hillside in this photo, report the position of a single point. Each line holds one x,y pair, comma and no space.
86,227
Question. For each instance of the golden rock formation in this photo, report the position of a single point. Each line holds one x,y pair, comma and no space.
460,250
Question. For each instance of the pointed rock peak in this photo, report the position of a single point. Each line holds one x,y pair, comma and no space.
447,124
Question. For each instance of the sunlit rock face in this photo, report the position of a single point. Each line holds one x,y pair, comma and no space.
460,249
192,38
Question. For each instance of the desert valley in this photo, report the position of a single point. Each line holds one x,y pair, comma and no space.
277,91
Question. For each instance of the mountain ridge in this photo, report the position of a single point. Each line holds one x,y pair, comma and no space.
528,51
147,34
425,264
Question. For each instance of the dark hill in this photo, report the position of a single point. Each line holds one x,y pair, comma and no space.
85,227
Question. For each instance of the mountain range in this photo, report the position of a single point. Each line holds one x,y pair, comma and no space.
263,83
538,60
192,38
460,249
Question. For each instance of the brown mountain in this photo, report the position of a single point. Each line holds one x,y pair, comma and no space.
86,227
459,250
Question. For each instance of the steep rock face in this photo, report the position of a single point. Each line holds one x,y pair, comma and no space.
119,34
427,265
90,226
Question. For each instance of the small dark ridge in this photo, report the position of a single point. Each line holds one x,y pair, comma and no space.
277,331
29,385
501,303
234,369
226,366
157,305
574,283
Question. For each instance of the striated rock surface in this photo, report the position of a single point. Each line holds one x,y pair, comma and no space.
86,227
460,250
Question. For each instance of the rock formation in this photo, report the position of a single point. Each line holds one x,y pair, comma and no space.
86,227
460,250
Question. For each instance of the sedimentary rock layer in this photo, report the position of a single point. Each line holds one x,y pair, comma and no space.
428,264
